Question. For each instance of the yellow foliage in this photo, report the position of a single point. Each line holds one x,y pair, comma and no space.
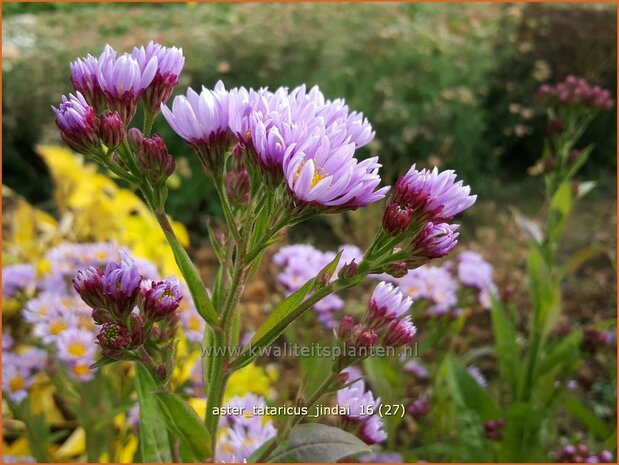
92,208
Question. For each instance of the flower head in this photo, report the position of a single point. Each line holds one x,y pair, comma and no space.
84,77
77,122
160,299
328,177
170,62
436,240
120,283
477,375
122,81
17,278
575,91
153,157
16,381
475,272
202,120
386,304
372,430
436,196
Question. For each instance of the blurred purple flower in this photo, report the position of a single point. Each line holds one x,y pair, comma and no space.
17,278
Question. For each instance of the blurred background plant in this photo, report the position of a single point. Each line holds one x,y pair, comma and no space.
443,86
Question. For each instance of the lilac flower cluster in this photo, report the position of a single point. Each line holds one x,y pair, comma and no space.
386,322
581,454
107,91
113,294
440,285
302,262
239,436
295,136
476,273
574,91
362,412
19,369
18,279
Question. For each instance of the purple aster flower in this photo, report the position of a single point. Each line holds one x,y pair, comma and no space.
382,457
330,178
123,82
84,78
120,283
160,299
372,430
239,436
202,120
6,458
16,381
7,342
436,240
475,272
87,283
386,304
326,309
17,278
477,375
416,368
170,62
77,122
432,283
359,403
399,332
419,408
433,195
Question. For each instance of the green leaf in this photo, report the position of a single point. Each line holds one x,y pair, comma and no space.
583,155
275,324
522,434
467,392
560,206
184,422
317,443
581,256
154,440
530,228
587,417
324,276
507,349
562,352
102,361
545,293
201,300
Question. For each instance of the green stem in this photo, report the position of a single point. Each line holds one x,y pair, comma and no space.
149,119
218,379
228,215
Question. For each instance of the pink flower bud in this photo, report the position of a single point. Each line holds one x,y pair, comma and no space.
111,130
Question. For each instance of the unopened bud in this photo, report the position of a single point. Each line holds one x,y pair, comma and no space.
348,271
237,186
111,130
135,138
555,126
161,372
396,219
154,159
342,378
398,269
114,339
346,326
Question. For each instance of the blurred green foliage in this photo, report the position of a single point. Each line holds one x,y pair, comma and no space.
444,84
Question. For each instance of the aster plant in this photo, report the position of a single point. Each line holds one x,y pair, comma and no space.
275,158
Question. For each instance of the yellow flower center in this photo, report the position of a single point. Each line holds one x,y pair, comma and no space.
57,327
194,323
77,349
101,255
81,369
17,383
319,173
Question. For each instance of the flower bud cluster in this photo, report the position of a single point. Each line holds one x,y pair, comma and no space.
575,91
493,429
385,322
114,292
581,454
